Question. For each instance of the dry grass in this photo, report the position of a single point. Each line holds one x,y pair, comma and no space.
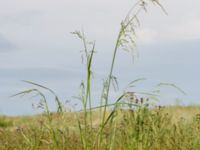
161,128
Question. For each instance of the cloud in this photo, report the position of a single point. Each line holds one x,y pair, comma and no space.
147,36
5,44
39,73
188,29
23,18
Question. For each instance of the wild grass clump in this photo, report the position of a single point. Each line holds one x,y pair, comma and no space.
130,122
4,122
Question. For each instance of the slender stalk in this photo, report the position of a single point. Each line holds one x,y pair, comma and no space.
121,33
108,87
89,58
110,74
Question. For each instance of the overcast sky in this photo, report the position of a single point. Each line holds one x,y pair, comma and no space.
36,44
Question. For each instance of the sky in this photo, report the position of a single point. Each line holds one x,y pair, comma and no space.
36,45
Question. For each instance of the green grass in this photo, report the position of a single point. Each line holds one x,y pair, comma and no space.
4,122
143,129
131,122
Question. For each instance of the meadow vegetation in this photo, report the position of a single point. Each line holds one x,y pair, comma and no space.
166,128
132,121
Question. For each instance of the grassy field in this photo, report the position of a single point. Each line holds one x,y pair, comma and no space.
132,122
166,128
